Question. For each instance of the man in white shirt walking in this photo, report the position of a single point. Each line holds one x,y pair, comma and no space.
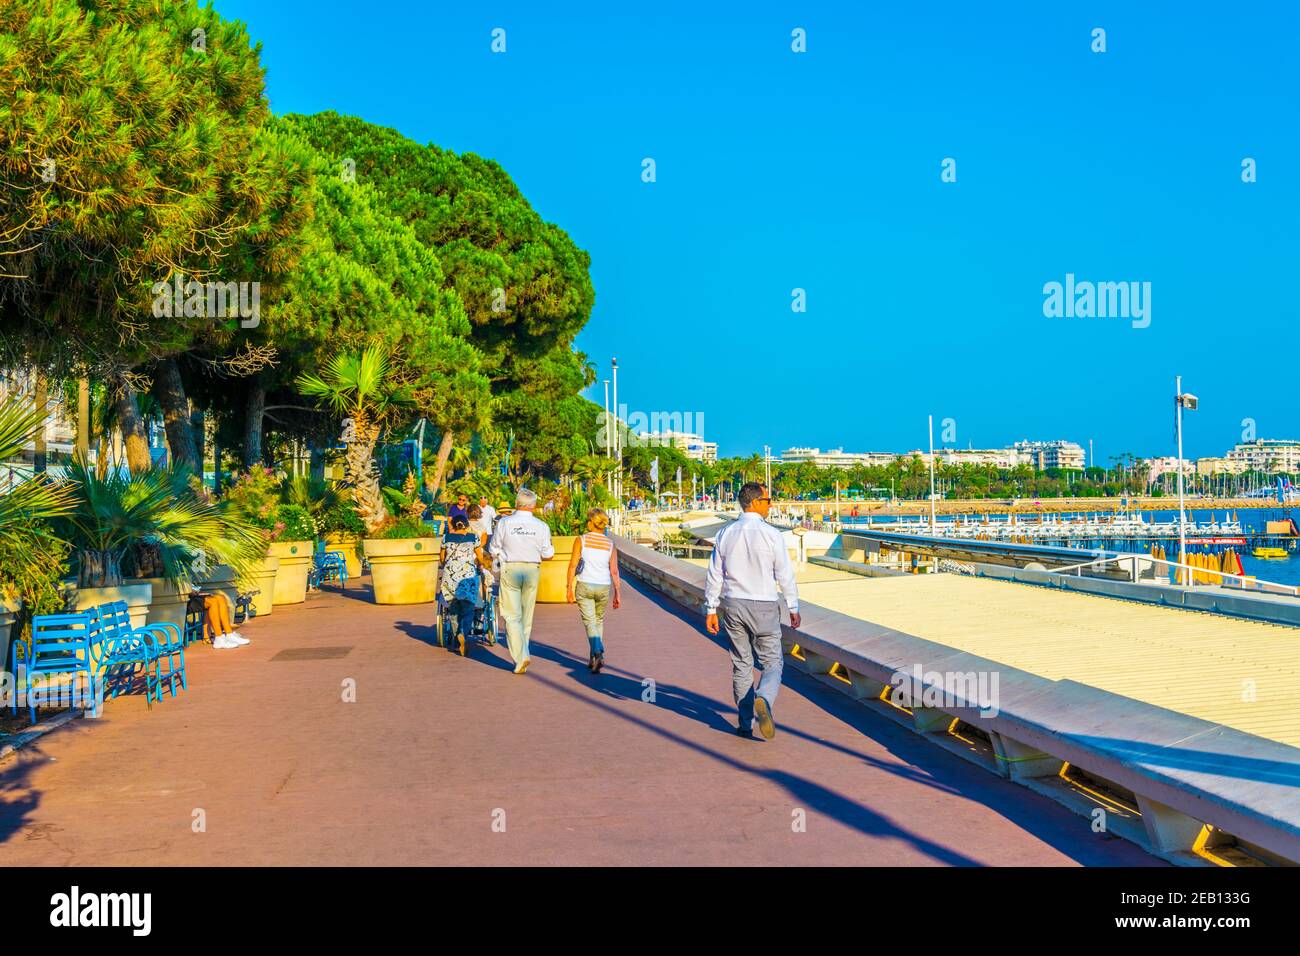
521,541
489,513
749,560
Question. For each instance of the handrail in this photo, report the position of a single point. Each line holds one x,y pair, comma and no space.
1245,579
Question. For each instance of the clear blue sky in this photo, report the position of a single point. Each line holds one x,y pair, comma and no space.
821,170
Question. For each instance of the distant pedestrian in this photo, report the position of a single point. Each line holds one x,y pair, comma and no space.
749,560
593,581
461,507
521,541
489,513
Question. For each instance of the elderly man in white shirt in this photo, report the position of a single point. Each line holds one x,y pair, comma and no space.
749,560
521,541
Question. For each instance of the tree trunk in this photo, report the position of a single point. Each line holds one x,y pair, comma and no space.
198,432
83,420
440,466
363,474
170,392
42,402
131,424
254,410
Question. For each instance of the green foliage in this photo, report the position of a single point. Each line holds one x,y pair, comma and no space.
405,527
294,523
565,511
317,495
140,127
155,509
254,498
341,519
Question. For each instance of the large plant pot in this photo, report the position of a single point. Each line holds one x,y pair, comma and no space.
553,584
137,595
262,580
168,605
403,570
291,578
7,614
346,545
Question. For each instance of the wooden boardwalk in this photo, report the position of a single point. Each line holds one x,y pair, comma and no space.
280,769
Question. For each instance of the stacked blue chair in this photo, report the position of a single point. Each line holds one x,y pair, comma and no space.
123,652
167,645
62,644
330,566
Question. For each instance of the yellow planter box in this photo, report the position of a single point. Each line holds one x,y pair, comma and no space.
262,580
346,545
404,570
291,577
552,586
137,595
7,614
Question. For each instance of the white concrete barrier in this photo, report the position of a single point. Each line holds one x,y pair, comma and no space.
1195,783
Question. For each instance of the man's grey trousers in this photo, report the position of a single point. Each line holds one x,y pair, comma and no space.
754,630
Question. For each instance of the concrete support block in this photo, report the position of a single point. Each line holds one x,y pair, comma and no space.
815,663
1018,761
864,688
1169,830
930,720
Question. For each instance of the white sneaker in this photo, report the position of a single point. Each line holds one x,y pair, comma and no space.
222,642
238,638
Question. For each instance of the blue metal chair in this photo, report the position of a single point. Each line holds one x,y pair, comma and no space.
121,653
331,566
168,644
196,620
62,644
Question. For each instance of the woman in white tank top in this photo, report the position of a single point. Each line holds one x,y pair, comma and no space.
593,579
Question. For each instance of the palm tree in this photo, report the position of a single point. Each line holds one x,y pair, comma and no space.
31,554
360,388
155,509
32,501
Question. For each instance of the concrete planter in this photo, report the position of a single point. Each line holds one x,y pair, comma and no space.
346,545
553,584
403,570
7,614
291,578
169,605
138,596
262,579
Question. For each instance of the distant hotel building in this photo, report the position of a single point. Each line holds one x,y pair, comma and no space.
694,446
835,457
1051,454
1040,454
1267,454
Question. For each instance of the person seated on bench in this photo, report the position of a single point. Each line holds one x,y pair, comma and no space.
217,608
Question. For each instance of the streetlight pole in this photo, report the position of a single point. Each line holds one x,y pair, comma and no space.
1182,512
933,522
609,452
618,442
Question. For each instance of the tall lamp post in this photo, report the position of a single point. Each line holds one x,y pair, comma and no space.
933,522
1190,403
609,452
618,442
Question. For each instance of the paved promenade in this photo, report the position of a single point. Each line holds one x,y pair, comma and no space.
264,751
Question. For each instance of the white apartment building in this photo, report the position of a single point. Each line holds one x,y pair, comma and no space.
1051,454
835,457
693,445
1267,454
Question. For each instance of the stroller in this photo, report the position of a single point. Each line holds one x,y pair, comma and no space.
485,614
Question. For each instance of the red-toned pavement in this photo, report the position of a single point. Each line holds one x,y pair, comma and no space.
278,768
